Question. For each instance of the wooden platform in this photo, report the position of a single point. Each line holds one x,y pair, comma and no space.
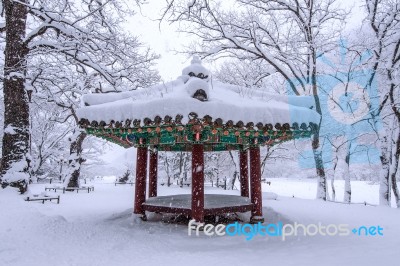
213,204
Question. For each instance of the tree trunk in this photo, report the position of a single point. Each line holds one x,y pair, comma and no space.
168,173
395,166
181,163
164,157
235,173
341,167
384,173
264,161
347,184
395,154
75,160
335,163
15,158
394,186
319,166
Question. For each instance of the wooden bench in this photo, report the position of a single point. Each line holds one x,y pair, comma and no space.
43,198
87,188
266,182
184,183
53,188
55,180
123,183
91,188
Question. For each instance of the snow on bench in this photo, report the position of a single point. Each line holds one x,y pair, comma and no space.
266,182
43,198
87,188
53,188
123,183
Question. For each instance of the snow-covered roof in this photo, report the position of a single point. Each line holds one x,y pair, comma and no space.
196,92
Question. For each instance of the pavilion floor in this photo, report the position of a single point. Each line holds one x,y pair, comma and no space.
213,204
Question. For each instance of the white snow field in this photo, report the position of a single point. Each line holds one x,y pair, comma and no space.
98,228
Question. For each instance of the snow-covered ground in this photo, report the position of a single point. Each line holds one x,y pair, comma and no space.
97,228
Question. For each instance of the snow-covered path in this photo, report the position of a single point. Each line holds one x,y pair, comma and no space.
98,229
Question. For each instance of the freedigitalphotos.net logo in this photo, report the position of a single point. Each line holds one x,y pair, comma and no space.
249,231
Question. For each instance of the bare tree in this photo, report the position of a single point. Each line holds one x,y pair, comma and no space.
384,21
166,165
288,35
48,143
349,104
248,75
84,37
251,78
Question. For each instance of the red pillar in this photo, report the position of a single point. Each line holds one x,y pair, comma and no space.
244,173
153,174
140,185
255,184
198,183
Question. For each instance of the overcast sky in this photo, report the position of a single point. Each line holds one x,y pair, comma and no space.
166,40
162,40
